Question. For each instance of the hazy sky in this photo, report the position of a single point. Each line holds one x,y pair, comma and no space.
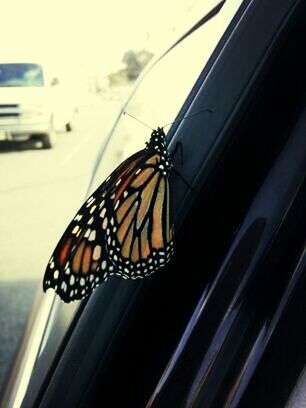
91,35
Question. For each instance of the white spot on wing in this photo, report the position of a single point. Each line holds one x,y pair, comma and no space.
64,286
92,235
75,229
96,253
105,222
92,209
90,201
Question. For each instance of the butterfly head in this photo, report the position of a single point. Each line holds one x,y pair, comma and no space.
157,143
157,140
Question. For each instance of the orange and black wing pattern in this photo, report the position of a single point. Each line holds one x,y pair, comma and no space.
124,228
138,226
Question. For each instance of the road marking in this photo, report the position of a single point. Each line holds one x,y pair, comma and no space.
74,151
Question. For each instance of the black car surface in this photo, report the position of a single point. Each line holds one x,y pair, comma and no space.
223,324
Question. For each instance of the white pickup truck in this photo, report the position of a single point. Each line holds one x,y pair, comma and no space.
33,104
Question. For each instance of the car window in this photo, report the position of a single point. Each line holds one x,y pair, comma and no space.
21,75
163,90
49,140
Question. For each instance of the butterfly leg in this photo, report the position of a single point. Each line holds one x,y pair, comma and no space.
178,146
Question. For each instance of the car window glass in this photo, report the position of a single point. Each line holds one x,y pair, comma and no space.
163,90
21,75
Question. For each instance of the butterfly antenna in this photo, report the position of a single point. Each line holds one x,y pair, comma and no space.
138,120
188,116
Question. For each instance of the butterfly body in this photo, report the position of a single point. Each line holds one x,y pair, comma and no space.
125,227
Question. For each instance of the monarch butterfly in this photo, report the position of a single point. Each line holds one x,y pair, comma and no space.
124,228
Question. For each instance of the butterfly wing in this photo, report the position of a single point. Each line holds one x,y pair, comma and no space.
77,264
138,223
124,228
80,261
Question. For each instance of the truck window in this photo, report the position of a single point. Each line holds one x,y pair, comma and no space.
21,75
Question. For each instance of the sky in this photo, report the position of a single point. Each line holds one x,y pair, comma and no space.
90,36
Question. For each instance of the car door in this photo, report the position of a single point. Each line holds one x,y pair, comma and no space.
136,343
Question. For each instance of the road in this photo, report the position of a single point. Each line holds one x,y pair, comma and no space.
40,191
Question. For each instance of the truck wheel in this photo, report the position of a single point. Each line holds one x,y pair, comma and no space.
68,127
48,140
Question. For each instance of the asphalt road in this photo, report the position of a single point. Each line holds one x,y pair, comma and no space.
40,191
